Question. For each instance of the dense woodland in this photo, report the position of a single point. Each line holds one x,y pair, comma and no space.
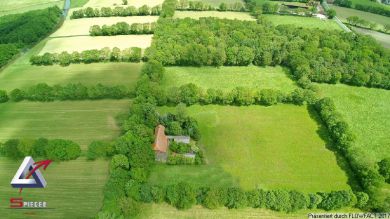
21,30
319,55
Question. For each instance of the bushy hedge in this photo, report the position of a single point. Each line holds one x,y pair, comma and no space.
115,12
168,8
3,96
133,54
57,149
43,92
326,56
97,149
122,28
367,174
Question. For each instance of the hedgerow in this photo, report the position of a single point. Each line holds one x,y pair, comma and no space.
115,12
122,28
133,54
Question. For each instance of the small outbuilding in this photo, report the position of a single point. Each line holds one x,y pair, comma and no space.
161,143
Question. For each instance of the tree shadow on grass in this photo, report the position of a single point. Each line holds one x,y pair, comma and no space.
322,131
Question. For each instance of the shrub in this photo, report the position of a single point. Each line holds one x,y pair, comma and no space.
236,198
384,169
98,149
336,200
3,96
60,149
119,161
181,195
10,149
17,95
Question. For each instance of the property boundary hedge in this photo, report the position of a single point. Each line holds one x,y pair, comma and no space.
122,28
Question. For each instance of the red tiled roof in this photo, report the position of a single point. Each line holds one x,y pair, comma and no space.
161,140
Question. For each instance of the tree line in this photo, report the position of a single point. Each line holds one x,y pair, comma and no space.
122,28
56,149
22,30
184,195
202,6
375,9
366,172
44,93
360,22
133,54
325,56
116,12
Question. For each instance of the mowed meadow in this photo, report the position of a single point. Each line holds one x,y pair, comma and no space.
20,6
228,78
74,189
258,147
80,121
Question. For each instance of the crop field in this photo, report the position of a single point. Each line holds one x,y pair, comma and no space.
165,211
20,6
307,22
344,13
367,110
227,78
76,27
74,189
81,43
80,121
259,145
217,14
382,38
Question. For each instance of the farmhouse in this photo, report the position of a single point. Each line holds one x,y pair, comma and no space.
161,143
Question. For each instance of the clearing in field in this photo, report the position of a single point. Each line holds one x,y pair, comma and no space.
307,22
217,14
259,146
343,13
80,121
20,6
81,43
367,111
77,27
227,78
74,189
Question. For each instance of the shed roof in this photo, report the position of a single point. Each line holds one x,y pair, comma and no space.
161,140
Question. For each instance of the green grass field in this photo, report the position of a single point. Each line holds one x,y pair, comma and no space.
218,14
344,13
277,147
382,38
368,2
308,22
227,78
74,189
367,110
165,211
216,3
80,121
78,3
20,6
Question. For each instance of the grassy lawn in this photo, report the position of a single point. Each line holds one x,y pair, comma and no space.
81,43
20,6
217,14
80,121
227,78
367,110
74,189
198,175
165,211
368,2
78,3
307,22
344,13
75,27
259,146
